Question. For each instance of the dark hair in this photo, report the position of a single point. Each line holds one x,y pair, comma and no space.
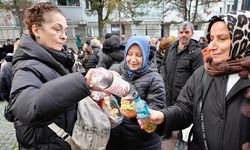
108,35
35,15
88,42
111,44
73,51
211,22
202,38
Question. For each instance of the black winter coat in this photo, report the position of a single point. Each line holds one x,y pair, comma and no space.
225,126
107,59
159,59
128,135
5,80
92,60
44,91
178,67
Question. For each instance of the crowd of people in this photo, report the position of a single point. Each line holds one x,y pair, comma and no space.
44,80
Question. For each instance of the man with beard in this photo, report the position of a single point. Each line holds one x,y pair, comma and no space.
180,60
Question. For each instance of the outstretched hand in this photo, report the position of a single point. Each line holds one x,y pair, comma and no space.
91,86
157,117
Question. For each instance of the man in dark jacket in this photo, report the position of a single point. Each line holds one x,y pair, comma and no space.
181,59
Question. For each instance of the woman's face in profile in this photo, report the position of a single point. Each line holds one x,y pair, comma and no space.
219,42
52,32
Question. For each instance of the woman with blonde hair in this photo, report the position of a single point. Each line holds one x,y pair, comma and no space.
164,45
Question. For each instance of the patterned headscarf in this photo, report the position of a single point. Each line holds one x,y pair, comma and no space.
239,29
238,24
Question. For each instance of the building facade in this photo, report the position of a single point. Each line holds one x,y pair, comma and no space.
159,20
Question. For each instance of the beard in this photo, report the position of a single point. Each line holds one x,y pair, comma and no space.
184,41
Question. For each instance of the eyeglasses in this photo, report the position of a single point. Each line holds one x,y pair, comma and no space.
59,31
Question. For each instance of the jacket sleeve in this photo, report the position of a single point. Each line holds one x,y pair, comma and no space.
163,66
5,81
197,60
180,115
37,102
156,96
102,60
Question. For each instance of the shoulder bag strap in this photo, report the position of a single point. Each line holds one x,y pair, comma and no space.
60,132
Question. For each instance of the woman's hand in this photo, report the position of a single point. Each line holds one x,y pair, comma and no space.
157,117
88,78
91,86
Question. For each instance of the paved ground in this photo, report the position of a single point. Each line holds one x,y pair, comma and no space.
7,132
169,144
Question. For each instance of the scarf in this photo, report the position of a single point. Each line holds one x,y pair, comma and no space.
241,66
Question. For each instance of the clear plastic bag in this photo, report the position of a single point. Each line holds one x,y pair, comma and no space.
127,108
109,106
112,109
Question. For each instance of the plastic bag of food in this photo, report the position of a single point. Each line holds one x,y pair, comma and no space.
112,109
127,108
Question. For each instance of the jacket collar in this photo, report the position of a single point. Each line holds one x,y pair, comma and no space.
239,86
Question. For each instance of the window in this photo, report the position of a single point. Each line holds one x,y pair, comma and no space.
68,2
62,2
195,27
115,28
88,4
228,8
245,5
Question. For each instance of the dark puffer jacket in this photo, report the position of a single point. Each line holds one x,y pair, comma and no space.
92,60
149,85
226,127
111,53
159,59
178,67
107,59
44,91
5,77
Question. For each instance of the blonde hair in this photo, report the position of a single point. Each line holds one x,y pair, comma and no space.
165,43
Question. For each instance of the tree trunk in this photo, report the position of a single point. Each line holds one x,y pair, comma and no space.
195,11
20,20
189,10
100,28
185,9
